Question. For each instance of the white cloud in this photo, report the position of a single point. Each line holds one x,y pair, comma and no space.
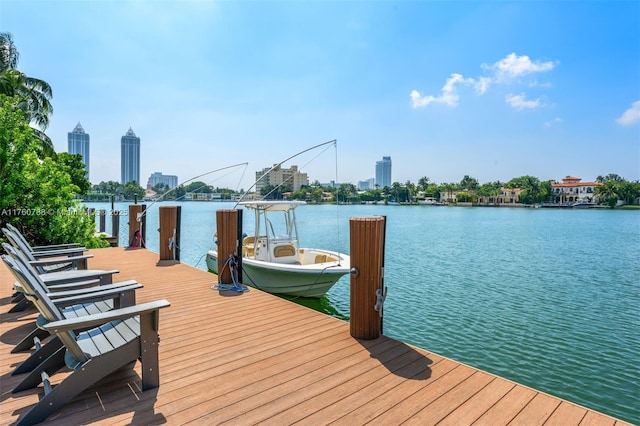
631,115
513,66
448,96
550,123
520,102
482,85
506,71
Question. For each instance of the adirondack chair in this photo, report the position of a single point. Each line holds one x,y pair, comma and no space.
58,280
119,338
74,303
48,250
49,247
49,260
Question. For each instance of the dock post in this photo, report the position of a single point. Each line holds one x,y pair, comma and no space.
102,226
115,225
367,235
229,232
169,232
137,228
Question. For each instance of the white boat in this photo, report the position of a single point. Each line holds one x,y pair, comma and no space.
428,202
584,205
273,261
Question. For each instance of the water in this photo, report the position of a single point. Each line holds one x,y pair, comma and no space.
546,297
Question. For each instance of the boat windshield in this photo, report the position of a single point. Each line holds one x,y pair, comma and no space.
275,219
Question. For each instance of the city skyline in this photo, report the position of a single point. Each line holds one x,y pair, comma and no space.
492,90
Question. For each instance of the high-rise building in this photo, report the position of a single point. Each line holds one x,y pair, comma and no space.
78,143
366,185
383,172
170,180
130,158
279,176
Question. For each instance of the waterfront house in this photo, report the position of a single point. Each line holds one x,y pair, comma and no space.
506,197
572,190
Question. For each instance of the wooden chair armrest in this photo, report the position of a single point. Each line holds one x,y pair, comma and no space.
96,296
85,284
56,247
52,261
79,251
69,276
104,317
95,289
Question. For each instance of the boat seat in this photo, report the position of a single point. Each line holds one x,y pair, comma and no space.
284,251
322,258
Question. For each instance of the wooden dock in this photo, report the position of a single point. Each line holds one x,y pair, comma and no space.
255,358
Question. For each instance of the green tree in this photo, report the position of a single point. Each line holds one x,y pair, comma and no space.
412,190
271,192
608,192
468,183
395,189
199,187
490,189
29,94
610,177
37,195
160,188
423,183
629,191
76,169
532,190
131,191
466,197
347,192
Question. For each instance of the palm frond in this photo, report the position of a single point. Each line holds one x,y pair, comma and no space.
46,148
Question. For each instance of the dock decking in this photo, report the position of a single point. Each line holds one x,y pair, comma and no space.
255,358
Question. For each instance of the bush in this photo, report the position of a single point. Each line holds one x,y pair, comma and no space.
37,195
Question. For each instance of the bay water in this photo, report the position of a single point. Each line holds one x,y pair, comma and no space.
549,298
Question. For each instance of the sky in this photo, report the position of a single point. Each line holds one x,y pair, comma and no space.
489,89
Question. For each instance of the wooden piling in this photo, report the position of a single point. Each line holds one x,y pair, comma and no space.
367,236
115,224
102,226
134,225
169,232
228,229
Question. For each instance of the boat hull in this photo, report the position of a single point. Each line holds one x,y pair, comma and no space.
307,280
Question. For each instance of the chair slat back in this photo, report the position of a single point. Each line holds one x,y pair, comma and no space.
29,280
19,244
19,235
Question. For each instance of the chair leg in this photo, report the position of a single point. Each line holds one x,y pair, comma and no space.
80,379
50,365
27,343
39,356
20,306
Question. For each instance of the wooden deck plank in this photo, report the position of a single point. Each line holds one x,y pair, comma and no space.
478,404
255,358
404,388
566,414
507,407
443,406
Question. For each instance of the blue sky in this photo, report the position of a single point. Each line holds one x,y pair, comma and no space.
493,89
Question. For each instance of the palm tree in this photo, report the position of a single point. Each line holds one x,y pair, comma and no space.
468,183
33,95
608,191
423,183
